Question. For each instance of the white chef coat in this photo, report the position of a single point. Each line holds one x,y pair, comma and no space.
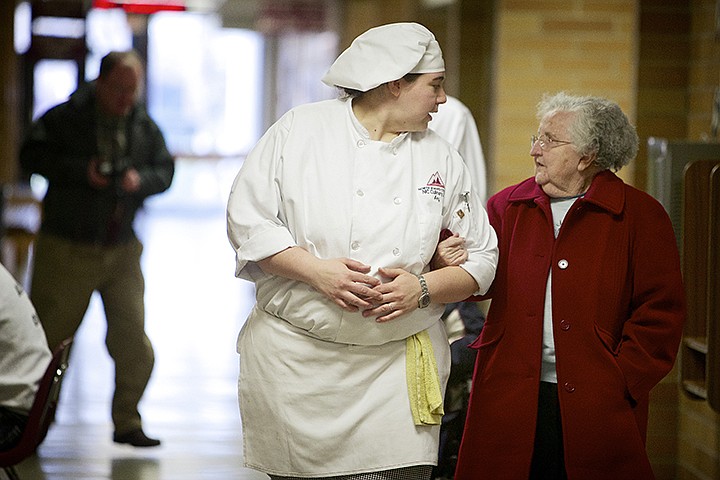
24,352
316,180
455,123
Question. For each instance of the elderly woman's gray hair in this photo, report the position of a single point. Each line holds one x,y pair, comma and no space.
600,127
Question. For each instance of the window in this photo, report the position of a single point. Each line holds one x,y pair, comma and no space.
204,84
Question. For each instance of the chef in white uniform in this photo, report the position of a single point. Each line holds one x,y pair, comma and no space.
335,216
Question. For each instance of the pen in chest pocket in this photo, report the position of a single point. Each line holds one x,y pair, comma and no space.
466,198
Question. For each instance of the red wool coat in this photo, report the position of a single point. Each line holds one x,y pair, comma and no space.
618,310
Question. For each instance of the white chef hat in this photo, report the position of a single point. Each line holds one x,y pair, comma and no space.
386,53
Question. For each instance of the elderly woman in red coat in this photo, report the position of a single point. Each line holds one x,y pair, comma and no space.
586,314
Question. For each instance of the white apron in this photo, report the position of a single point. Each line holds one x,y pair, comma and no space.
318,408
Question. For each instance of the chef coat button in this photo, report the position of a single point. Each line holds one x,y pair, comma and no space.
563,264
397,200
361,143
569,387
394,151
565,325
360,193
396,251
355,245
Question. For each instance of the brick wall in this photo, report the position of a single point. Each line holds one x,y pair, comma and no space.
580,46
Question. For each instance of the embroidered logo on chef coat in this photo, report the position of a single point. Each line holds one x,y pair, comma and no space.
435,187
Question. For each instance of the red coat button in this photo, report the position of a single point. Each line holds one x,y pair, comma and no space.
564,325
569,387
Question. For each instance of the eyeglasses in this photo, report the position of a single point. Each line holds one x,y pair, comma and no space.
546,143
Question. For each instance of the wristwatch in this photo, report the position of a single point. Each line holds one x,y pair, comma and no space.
424,299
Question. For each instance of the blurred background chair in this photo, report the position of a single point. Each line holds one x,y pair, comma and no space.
42,412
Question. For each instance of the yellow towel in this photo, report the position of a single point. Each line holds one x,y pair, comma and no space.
426,401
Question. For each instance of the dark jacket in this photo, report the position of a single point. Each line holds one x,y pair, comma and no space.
618,311
60,146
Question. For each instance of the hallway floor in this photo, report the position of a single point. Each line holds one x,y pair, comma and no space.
195,308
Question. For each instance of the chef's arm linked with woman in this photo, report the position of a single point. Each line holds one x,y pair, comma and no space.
347,283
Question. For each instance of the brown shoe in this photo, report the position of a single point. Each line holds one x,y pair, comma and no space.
136,438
